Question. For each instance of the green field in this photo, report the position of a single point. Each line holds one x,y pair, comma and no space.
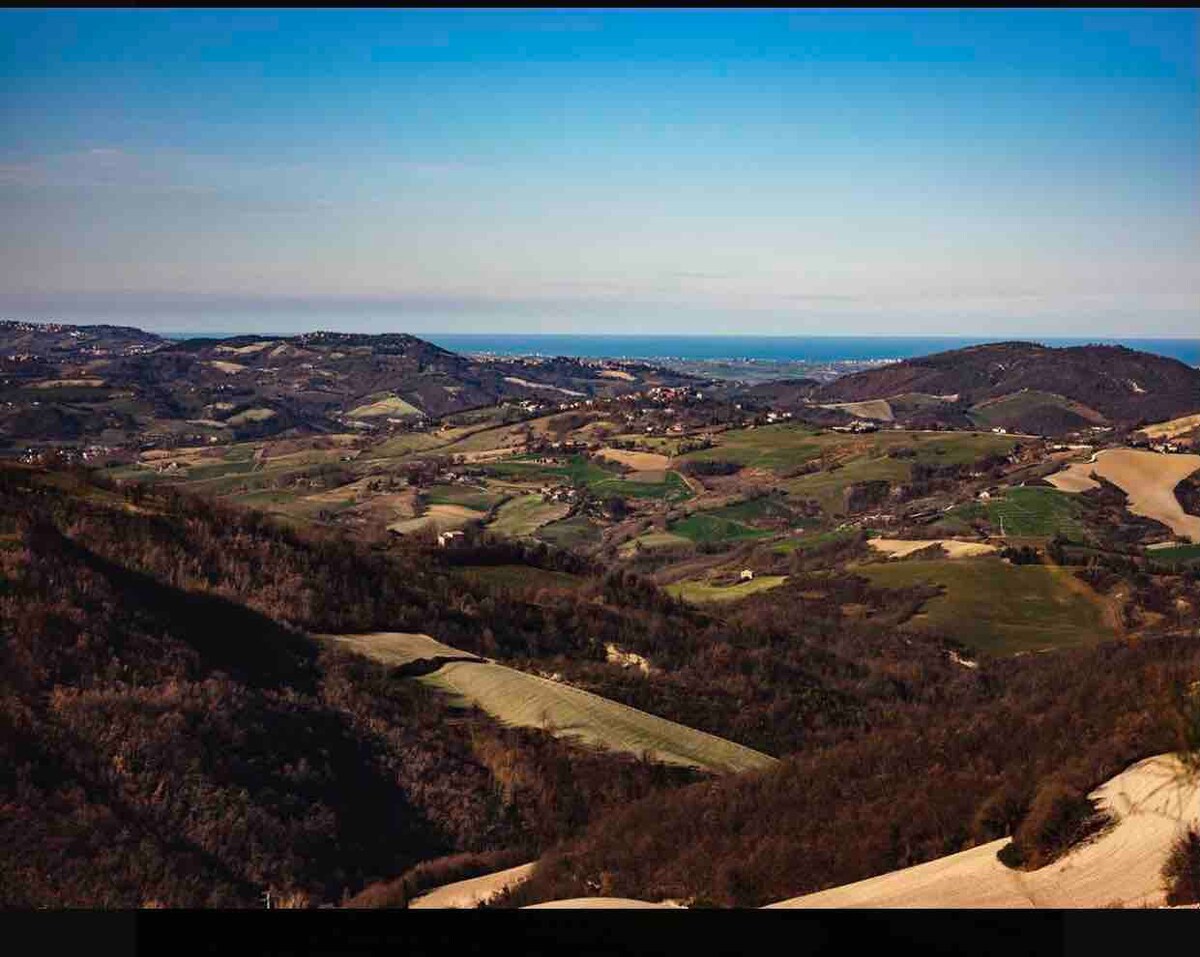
1176,554
714,527
807,542
575,470
1031,511
1010,407
868,461
783,447
1000,609
570,532
653,540
524,515
519,577
671,489
702,592
477,498
777,447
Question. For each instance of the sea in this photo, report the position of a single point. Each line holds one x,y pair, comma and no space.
747,348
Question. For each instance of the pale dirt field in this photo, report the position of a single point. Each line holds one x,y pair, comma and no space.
1122,866
600,903
442,517
397,647
638,461
540,385
877,409
1148,478
616,374
1074,478
1172,427
230,368
472,892
57,383
899,547
245,350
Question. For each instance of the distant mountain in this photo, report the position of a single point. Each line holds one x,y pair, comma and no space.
106,384
1027,387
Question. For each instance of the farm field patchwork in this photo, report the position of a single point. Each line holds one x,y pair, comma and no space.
1001,609
1148,478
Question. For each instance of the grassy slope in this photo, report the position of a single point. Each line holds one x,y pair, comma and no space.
1001,609
702,592
515,697
1031,511
523,516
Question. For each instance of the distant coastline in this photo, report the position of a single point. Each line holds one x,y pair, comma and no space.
745,348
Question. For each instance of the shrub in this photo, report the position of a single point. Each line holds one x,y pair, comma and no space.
1060,816
1181,872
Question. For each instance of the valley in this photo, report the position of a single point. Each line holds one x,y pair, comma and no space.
557,611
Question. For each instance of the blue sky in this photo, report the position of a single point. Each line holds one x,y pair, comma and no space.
780,172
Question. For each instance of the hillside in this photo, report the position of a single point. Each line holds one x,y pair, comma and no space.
113,385
1026,387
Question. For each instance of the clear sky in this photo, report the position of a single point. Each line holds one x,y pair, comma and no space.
1029,172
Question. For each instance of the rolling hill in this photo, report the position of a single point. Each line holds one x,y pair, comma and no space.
1005,385
113,384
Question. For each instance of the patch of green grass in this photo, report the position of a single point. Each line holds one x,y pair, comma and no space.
570,532
1032,511
1010,407
671,489
808,542
481,499
520,577
711,527
828,489
1000,609
1175,555
524,515
575,470
653,540
778,447
700,592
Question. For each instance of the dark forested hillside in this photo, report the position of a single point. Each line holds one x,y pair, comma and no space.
1122,385
163,743
170,732
117,385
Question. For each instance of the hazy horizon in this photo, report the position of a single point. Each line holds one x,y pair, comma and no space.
1025,173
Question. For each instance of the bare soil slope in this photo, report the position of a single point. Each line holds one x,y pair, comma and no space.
1152,804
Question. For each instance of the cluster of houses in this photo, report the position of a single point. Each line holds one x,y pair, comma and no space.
858,425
